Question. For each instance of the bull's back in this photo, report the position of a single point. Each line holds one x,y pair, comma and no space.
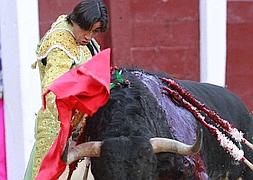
221,100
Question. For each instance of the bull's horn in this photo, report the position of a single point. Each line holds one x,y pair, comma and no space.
88,149
93,148
171,145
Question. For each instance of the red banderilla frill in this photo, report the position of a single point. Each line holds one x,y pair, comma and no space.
185,99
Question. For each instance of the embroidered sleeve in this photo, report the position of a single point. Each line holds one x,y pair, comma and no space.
60,50
58,62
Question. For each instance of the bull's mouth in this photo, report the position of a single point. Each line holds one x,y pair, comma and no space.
93,148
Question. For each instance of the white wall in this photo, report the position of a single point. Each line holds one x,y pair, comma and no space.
20,34
213,19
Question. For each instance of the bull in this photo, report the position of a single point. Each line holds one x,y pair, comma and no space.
144,134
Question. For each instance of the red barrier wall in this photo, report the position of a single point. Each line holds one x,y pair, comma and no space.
239,50
157,35
50,10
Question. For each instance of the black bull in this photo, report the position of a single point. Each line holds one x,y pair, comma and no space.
140,111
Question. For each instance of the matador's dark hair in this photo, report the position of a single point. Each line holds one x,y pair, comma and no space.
88,12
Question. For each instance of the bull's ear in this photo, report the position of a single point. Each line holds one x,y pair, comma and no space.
65,153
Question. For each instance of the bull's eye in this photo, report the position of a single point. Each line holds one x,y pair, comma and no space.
186,163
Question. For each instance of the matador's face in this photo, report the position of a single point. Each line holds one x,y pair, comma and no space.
83,36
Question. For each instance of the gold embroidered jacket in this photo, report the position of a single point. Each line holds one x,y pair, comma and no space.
57,53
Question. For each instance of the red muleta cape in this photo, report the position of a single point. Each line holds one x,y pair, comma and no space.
85,88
